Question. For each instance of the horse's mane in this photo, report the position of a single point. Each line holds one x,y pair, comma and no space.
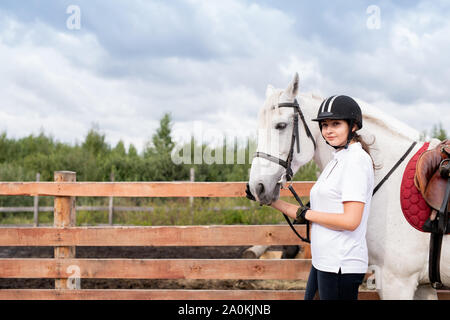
379,118
264,114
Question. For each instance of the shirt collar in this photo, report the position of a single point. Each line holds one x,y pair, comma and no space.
339,154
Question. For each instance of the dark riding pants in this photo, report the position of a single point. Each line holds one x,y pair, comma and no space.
333,286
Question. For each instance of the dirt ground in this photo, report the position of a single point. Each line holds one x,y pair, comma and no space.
146,253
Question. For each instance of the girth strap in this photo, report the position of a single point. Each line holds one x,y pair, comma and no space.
434,258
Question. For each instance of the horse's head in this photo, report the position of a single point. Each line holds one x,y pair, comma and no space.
285,142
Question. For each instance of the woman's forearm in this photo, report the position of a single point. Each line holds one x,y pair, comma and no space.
287,208
349,220
332,221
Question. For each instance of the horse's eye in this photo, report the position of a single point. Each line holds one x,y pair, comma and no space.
281,126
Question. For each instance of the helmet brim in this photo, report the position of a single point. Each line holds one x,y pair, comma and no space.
328,116
335,117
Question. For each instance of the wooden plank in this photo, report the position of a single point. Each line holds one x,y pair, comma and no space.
137,189
167,294
218,235
160,294
443,294
65,216
250,269
149,294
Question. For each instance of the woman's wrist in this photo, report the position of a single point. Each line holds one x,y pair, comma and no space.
301,215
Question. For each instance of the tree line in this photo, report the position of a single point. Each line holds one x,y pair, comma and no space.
95,159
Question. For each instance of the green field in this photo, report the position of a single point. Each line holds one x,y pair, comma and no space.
166,211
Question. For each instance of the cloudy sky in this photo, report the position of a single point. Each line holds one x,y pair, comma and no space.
66,66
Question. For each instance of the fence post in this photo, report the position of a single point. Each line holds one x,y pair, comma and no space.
111,204
36,203
64,216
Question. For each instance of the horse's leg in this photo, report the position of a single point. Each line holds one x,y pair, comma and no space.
394,287
425,292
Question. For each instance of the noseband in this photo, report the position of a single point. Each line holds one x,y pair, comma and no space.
295,139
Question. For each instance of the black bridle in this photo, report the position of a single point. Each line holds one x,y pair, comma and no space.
295,140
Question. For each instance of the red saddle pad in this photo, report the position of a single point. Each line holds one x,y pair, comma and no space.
414,207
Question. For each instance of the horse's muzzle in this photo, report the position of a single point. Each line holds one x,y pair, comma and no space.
264,197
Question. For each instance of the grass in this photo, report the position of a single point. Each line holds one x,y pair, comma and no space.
166,211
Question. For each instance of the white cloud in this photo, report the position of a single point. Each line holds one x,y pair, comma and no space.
210,61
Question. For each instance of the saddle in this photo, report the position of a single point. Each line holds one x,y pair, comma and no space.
432,179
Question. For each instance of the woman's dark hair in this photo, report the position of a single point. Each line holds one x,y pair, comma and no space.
364,145
366,148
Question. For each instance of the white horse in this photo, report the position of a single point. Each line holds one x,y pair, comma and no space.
398,253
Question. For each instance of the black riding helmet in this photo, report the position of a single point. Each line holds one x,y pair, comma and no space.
340,107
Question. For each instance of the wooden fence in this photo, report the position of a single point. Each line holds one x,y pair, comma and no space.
65,237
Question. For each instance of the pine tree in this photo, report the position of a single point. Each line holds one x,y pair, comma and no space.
158,153
439,132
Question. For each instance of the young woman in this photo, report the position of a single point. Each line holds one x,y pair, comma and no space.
340,203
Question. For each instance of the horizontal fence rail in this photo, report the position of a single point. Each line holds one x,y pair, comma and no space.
136,189
104,208
232,235
160,294
251,269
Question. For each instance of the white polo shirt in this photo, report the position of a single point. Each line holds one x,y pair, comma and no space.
349,176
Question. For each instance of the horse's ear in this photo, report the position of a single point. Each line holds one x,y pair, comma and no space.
292,89
269,91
